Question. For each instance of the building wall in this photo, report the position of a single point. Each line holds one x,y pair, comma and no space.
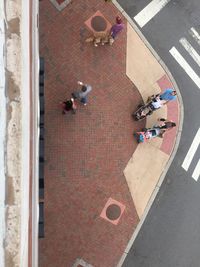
2,132
34,159
21,182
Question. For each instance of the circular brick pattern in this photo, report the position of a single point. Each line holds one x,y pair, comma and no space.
98,23
113,212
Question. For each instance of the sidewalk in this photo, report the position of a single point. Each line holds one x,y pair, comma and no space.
98,181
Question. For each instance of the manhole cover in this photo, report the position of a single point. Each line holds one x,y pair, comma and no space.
98,24
113,212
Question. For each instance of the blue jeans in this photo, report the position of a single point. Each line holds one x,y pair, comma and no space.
84,100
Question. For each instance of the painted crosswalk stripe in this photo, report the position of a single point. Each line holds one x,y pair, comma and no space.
150,11
188,47
196,172
183,63
191,151
195,34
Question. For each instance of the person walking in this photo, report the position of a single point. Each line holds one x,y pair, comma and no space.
165,125
68,105
168,95
116,29
82,95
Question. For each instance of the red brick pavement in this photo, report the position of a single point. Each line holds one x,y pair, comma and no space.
86,153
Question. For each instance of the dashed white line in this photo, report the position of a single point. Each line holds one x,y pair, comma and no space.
188,47
195,35
187,68
196,172
149,11
192,151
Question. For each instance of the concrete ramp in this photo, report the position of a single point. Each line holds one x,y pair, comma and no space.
149,160
143,172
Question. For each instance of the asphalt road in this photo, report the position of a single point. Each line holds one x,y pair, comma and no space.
170,235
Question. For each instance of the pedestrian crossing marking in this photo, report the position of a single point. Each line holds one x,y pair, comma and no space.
191,152
196,79
187,68
188,47
196,172
149,11
195,35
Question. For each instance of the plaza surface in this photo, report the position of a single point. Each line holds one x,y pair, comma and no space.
92,161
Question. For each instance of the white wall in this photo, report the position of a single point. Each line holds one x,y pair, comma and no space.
2,133
30,62
25,99
35,127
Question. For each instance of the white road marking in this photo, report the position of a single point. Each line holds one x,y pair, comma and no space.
196,171
191,151
149,11
195,35
188,47
183,63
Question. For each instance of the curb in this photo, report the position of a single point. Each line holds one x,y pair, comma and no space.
178,135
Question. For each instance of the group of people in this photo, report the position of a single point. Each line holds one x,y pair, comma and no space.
164,126
81,94
155,102
162,99
104,37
